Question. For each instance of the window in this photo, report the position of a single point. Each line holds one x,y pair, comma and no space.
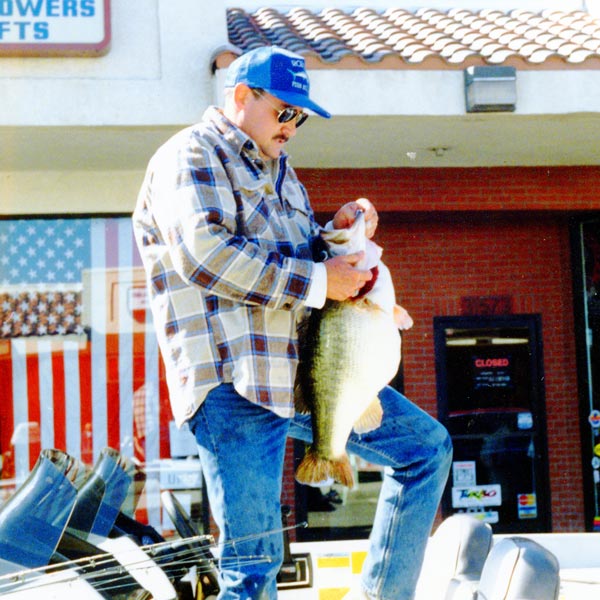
79,362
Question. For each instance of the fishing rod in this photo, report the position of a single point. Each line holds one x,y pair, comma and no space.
172,553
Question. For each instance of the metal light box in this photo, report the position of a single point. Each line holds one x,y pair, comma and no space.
490,89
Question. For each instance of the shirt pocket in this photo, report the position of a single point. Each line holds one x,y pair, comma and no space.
294,202
259,220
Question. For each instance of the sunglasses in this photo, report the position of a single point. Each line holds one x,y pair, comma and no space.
284,115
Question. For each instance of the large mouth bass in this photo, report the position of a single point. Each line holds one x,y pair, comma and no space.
349,351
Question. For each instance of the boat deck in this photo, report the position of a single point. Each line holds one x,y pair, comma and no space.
336,566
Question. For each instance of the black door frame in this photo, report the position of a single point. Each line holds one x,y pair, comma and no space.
584,381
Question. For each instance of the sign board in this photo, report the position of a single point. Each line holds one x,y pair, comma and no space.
486,305
180,474
123,291
54,27
464,473
476,496
494,372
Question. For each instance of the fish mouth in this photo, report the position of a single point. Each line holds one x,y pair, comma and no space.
341,236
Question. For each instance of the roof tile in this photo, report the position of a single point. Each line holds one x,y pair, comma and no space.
426,37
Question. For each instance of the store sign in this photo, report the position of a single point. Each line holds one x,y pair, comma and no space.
54,27
492,372
486,305
475,496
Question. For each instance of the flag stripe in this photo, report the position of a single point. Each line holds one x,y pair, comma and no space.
73,398
152,406
85,404
125,320
20,404
33,421
98,323
58,396
165,410
140,396
45,385
158,429
112,398
7,418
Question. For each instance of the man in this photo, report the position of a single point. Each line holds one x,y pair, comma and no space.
226,234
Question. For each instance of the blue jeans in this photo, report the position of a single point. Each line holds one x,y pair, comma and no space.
242,448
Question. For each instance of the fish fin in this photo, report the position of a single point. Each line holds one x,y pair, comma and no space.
314,469
401,318
370,419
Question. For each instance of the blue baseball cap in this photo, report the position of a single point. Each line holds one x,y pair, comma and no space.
277,71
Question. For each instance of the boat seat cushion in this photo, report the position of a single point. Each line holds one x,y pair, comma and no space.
519,568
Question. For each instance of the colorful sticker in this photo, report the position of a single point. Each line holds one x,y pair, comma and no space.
463,473
487,516
527,505
594,419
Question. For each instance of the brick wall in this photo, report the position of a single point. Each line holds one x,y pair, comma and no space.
477,232
481,189
437,263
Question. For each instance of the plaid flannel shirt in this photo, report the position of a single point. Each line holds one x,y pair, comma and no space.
225,240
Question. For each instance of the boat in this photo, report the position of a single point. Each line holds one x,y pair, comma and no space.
64,533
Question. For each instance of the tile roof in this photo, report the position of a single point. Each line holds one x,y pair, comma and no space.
424,38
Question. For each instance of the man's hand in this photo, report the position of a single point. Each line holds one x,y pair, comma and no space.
343,279
346,215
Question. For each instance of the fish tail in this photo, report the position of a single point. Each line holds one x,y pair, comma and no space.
341,471
314,469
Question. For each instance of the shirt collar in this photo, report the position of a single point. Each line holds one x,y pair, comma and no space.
239,141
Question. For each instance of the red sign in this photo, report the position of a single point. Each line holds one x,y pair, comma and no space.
486,305
487,363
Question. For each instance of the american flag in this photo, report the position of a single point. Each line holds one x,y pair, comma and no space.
44,251
41,262
79,362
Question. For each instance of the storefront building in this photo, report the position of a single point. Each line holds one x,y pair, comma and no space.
490,224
